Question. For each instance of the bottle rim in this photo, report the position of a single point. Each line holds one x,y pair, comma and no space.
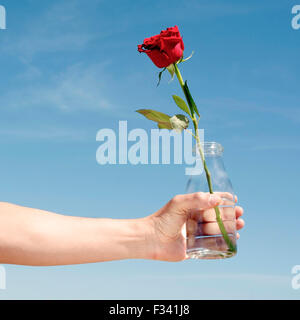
212,148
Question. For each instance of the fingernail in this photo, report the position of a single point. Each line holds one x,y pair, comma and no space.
214,200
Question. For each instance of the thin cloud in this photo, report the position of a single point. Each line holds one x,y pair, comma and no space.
291,113
59,28
76,88
48,133
56,29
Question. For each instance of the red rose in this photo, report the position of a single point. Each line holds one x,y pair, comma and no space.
164,48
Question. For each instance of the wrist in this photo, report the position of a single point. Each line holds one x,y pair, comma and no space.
142,245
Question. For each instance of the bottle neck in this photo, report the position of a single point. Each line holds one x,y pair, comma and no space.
211,149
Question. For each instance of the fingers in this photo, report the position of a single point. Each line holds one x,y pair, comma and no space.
193,227
195,202
212,228
227,197
238,211
204,221
201,201
240,223
197,210
209,215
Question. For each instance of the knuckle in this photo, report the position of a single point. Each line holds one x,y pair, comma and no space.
199,196
176,199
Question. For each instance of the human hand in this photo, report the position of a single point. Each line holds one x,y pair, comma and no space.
168,224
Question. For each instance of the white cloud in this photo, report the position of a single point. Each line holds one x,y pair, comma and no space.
58,28
76,88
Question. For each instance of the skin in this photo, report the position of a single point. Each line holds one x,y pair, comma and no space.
39,238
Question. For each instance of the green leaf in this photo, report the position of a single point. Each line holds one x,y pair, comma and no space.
188,58
154,115
179,122
171,69
165,125
190,99
163,120
159,76
181,104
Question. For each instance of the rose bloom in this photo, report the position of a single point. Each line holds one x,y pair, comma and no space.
165,48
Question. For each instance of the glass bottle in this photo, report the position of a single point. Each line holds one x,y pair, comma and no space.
204,237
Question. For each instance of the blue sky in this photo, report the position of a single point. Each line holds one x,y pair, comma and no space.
70,68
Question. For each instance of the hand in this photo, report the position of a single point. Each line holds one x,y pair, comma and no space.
168,223
39,238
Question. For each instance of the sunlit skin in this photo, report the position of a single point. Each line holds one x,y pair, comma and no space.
39,238
170,222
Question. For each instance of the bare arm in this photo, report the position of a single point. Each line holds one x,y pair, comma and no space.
40,238
35,237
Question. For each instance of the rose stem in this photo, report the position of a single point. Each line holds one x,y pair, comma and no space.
228,241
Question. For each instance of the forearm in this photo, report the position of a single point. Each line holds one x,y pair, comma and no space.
35,237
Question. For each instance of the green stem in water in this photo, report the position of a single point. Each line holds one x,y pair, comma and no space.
228,241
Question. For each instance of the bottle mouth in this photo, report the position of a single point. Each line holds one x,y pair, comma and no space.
212,149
